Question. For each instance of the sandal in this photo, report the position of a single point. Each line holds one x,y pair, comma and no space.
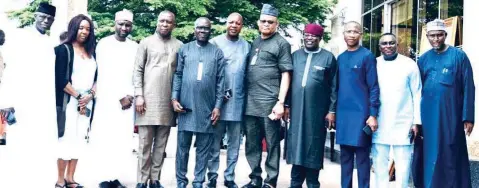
61,186
75,185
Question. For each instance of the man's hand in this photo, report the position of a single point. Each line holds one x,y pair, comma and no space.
177,106
373,123
415,130
278,110
286,114
331,119
126,102
85,99
140,105
82,110
468,126
215,115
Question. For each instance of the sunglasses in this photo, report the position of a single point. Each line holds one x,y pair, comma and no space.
269,21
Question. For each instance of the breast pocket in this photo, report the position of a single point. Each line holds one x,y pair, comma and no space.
267,55
447,76
318,73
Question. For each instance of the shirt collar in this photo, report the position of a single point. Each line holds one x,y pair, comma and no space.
312,52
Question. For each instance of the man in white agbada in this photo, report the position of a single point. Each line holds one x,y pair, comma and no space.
28,85
112,126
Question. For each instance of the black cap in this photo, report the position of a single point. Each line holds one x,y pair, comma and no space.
269,10
47,9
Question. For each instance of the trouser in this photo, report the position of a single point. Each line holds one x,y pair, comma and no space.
233,129
203,145
300,173
417,164
258,128
402,155
151,152
347,165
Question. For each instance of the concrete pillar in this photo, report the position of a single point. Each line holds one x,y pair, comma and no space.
470,42
66,9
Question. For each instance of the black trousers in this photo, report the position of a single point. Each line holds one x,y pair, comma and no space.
300,173
258,128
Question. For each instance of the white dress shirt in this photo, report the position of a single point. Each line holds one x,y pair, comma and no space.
400,95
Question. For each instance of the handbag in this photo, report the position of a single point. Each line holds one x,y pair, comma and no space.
61,110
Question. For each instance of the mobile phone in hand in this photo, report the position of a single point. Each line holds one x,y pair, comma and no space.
228,93
411,136
187,109
87,112
367,130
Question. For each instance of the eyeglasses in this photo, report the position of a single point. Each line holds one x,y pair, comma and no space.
203,28
310,36
390,43
269,21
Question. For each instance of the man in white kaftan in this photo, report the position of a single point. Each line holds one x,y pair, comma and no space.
113,122
28,85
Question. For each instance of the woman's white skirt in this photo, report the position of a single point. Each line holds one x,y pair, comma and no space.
73,143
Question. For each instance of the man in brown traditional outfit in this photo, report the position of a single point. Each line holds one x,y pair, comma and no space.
153,73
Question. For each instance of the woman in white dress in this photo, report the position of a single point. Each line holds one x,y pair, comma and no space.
75,80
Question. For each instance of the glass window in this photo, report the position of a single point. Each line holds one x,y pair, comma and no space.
450,8
429,10
366,41
404,26
377,29
367,5
377,2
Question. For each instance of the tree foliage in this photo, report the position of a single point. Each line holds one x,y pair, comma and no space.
292,14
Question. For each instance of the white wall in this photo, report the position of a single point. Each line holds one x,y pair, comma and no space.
470,42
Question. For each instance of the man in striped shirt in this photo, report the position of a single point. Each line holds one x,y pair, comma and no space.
198,91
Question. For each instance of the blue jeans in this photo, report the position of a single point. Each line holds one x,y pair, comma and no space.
402,155
233,132
203,145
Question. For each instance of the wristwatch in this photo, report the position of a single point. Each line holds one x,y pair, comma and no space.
79,96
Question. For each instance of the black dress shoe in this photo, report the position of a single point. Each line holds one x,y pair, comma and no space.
105,184
230,184
267,186
156,184
141,185
212,184
117,184
252,184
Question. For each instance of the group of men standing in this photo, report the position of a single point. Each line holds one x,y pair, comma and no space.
223,85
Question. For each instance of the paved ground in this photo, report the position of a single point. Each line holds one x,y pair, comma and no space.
329,176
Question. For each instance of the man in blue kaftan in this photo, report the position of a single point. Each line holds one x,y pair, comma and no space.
447,111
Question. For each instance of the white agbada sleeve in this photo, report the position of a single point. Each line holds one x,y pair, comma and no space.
415,85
